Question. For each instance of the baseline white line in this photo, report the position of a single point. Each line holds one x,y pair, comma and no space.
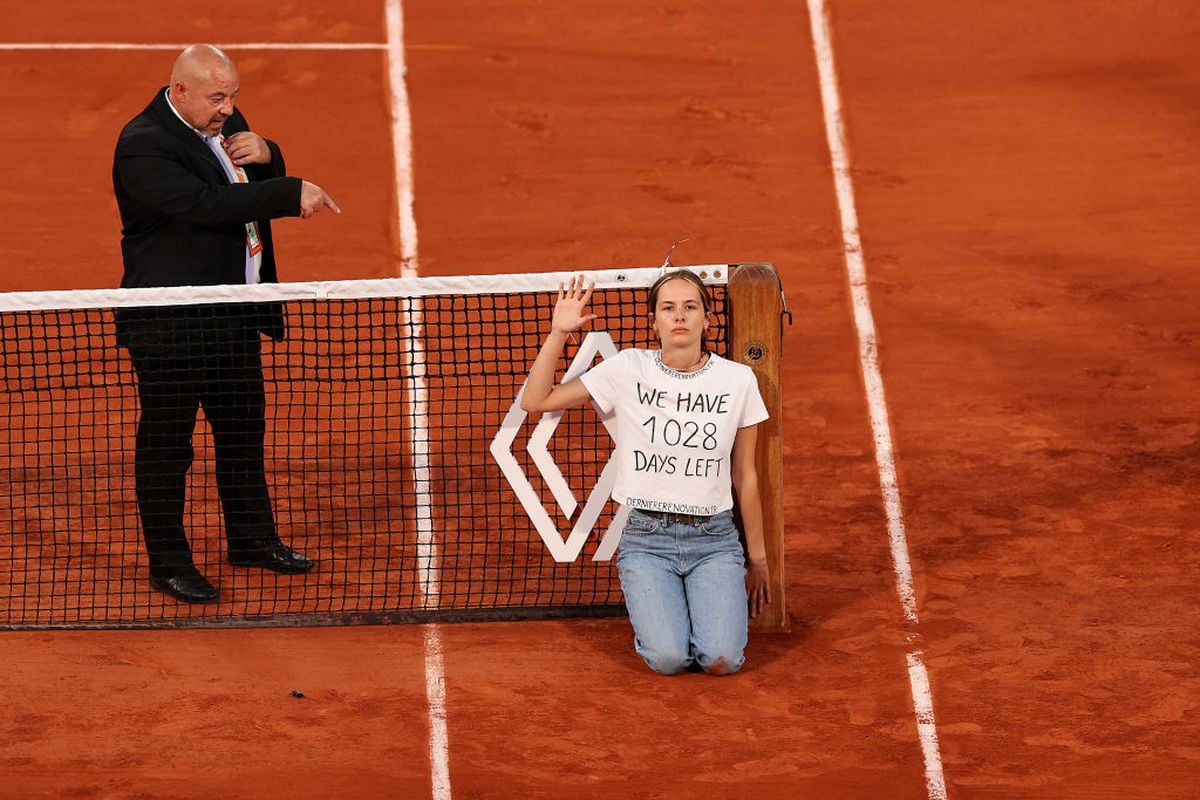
414,364
180,46
868,351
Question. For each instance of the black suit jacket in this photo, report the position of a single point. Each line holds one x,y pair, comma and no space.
183,224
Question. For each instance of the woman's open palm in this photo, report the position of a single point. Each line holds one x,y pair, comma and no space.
570,311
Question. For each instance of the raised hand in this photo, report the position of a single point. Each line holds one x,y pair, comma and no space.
570,312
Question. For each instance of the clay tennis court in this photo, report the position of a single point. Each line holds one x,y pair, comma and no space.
1024,180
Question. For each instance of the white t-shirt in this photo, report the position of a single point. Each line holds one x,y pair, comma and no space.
674,430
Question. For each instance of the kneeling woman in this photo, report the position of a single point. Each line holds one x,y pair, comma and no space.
685,436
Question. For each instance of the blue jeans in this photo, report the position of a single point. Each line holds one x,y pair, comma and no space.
685,588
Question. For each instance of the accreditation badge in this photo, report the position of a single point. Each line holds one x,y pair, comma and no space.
253,242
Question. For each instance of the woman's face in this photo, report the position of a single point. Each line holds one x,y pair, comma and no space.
679,318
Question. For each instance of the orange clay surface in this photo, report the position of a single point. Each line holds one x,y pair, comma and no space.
1026,176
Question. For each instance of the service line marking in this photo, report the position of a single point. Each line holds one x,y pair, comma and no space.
868,352
180,46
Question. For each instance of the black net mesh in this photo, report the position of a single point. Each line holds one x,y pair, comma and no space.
377,415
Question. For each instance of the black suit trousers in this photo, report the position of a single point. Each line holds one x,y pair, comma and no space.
226,381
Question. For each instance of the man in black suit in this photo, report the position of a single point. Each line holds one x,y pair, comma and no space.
196,191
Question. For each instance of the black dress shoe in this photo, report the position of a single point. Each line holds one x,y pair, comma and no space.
279,558
188,588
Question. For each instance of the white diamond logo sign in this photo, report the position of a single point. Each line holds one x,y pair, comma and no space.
595,343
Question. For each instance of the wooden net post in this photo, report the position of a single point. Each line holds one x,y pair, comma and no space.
756,339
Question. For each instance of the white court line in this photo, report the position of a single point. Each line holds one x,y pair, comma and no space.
401,139
414,364
864,324
435,696
180,46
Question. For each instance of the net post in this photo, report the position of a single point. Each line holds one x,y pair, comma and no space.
756,339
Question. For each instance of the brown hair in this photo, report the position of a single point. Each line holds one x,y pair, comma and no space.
682,275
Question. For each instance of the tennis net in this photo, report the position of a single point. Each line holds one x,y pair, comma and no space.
395,454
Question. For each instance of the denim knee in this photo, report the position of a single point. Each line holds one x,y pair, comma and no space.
720,662
666,655
666,664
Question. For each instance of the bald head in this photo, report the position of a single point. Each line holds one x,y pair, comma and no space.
204,83
201,61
